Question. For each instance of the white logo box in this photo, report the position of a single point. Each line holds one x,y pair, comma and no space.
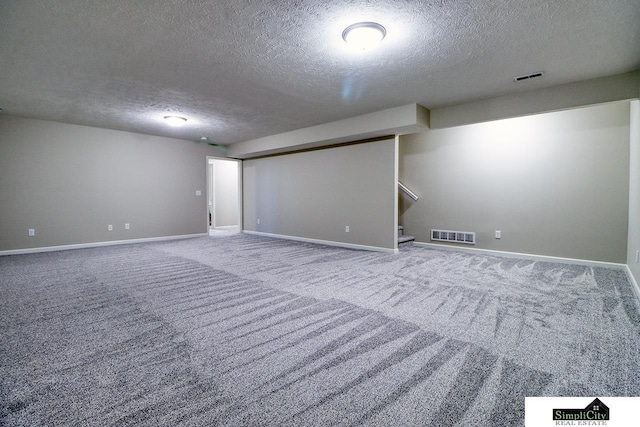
623,411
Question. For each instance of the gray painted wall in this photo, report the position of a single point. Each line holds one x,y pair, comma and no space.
571,95
554,184
69,182
399,120
634,191
315,194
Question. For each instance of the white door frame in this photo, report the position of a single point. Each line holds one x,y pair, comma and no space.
210,191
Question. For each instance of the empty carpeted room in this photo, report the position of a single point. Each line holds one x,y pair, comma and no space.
360,213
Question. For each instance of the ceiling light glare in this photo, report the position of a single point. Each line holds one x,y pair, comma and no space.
364,35
175,121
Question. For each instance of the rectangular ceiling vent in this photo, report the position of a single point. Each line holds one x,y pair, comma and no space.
468,237
528,76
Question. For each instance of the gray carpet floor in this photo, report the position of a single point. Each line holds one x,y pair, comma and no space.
241,330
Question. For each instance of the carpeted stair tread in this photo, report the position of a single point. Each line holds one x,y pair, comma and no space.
405,239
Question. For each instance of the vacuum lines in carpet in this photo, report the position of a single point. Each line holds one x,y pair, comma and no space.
242,330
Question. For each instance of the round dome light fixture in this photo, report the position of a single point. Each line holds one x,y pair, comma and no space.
175,121
364,35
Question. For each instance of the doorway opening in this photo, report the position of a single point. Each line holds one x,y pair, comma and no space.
224,195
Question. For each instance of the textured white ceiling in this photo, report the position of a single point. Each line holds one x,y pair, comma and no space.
242,69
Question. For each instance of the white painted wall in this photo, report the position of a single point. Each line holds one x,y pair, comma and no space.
225,192
554,184
634,191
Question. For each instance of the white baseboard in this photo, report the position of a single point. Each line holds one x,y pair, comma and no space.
97,244
634,283
519,255
324,242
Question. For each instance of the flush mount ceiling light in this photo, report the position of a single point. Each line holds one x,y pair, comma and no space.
175,121
364,35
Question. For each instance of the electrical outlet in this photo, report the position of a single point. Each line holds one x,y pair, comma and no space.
127,226
637,257
198,193
498,234
32,232
110,227
346,228
258,220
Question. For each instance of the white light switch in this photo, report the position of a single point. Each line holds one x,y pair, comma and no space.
198,193
498,234
127,226
32,232
346,229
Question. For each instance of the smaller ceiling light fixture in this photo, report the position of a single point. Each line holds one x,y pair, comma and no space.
364,35
175,121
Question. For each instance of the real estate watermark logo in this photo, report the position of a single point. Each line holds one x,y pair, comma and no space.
594,414
553,411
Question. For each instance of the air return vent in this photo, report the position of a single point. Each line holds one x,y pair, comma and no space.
468,237
528,76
